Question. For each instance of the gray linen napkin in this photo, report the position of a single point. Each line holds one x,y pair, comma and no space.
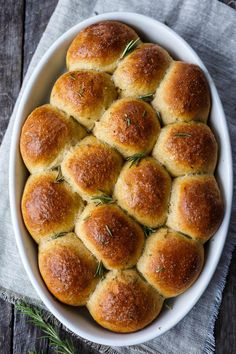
209,27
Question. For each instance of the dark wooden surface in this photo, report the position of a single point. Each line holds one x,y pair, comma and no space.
22,23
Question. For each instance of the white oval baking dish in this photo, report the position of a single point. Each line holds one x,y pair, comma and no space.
37,92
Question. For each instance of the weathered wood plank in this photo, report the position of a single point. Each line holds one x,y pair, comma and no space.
225,330
11,36
6,323
27,337
37,15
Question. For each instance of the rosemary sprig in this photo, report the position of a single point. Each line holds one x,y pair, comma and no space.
60,234
128,120
136,158
102,199
81,91
183,135
148,230
168,306
147,98
130,46
144,114
160,269
36,318
109,230
59,178
159,117
100,271
72,77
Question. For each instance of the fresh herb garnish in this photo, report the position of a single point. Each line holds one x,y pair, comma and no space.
102,199
184,135
168,306
160,269
81,91
136,158
144,114
147,98
159,117
100,271
60,234
72,77
109,230
36,318
148,230
130,46
59,178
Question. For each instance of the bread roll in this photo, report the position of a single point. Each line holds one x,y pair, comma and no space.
68,269
171,262
48,207
124,303
99,46
45,135
92,168
143,190
183,94
110,235
84,95
196,206
141,72
185,148
129,125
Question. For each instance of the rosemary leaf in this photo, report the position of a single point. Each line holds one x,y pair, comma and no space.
109,230
60,234
183,135
102,199
147,98
168,306
36,318
159,117
59,178
136,158
148,230
144,114
128,121
100,271
160,269
72,77
130,46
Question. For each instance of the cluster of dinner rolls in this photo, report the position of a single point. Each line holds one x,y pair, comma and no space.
122,194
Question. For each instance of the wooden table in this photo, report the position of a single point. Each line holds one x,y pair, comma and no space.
22,23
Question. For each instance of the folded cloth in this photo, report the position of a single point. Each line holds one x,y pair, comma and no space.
209,27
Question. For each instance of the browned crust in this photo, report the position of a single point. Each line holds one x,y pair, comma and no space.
200,206
191,147
125,303
133,124
48,207
117,238
187,91
172,262
67,271
146,190
45,133
101,43
93,166
143,68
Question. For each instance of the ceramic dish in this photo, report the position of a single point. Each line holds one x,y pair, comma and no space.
36,93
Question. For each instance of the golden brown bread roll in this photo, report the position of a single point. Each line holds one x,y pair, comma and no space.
143,190
99,46
68,269
124,302
110,235
171,262
48,207
196,206
183,94
141,72
84,95
45,135
185,148
129,125
92,168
